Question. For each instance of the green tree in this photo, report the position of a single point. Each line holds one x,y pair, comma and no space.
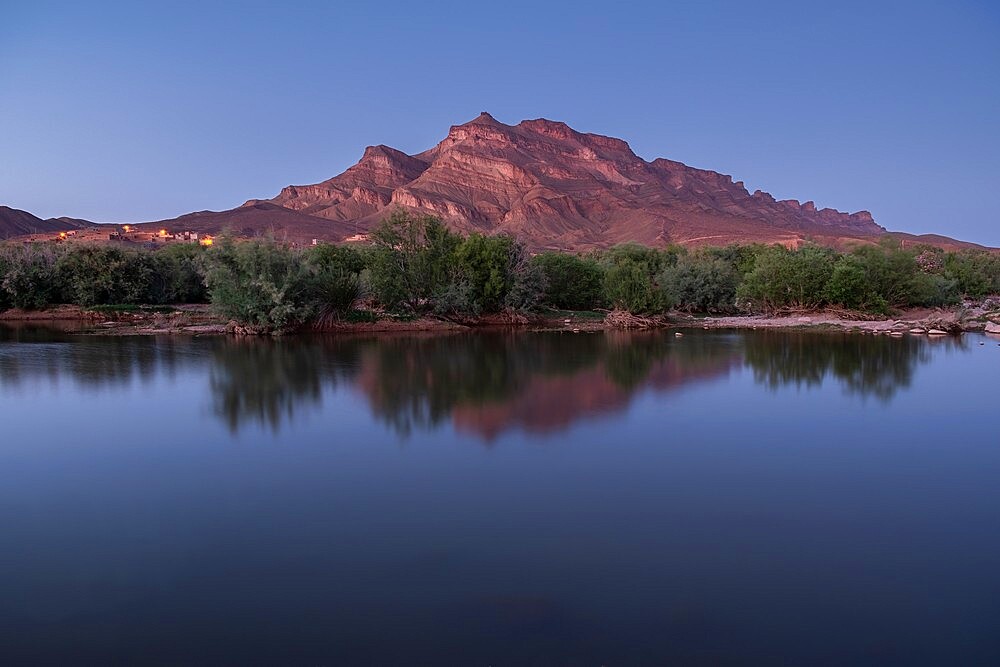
783,278
494,273
336,278
30,277
573,282
701,282
628,286
410,260
977,272
100,275
261,284
630,277
178,274
848,287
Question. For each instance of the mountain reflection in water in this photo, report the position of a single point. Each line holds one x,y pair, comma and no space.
481,383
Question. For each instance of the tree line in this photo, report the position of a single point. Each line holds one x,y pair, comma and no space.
415,265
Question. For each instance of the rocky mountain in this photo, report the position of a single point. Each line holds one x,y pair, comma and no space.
540,180
15,222
558,188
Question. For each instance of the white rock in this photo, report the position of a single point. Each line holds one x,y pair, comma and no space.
992,327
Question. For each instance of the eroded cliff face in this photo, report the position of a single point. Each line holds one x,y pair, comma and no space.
363,190
555,187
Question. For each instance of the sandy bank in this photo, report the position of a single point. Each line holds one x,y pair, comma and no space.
199,320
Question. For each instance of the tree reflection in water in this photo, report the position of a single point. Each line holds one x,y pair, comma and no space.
487,383
29,353
267,381
869,366
483,383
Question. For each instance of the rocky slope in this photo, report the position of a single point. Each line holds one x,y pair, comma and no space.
559,188
15,222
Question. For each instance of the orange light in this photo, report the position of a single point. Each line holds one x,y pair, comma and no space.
207,241
62,235
128,228
163,232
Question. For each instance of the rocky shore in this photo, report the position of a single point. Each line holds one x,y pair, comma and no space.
970,317
199,319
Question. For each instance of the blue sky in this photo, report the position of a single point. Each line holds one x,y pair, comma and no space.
139,111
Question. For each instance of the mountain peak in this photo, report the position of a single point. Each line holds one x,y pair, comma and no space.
380,150
484,118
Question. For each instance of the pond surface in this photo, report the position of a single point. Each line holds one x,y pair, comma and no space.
500,499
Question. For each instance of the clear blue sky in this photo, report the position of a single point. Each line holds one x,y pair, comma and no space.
124,112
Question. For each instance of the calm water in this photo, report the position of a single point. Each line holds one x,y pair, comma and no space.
505,499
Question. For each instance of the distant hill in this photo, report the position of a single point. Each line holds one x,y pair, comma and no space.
258,219
15,222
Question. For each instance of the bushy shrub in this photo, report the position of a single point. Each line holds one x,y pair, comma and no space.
410,260
98,275
572,282
928,289
30,278
498,273
5,302
528,283
415,263
178,274
457,298
783,278
261,284
889,273
484,263
848,287
336,279
630,277
701,282
740,258
976,272
629,286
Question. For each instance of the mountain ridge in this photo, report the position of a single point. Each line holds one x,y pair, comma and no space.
555,187
539,180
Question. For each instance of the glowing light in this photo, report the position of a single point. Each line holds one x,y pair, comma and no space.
207,241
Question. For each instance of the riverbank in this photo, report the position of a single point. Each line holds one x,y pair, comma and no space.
916,321
200,320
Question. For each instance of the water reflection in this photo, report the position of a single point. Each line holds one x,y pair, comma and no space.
875,366
483,384
268,382
488,383
30,353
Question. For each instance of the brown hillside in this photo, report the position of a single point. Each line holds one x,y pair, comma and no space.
15,222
